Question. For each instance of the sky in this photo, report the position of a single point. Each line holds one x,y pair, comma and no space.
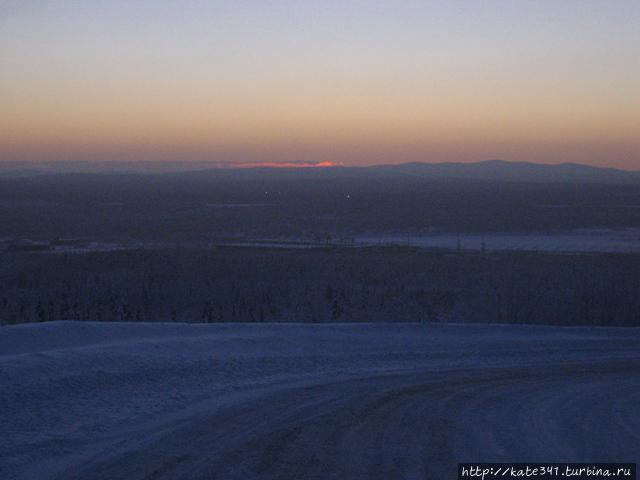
335,81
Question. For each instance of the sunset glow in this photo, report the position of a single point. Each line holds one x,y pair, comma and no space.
284,83
288,165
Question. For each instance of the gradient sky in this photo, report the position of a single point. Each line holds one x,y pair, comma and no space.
354,82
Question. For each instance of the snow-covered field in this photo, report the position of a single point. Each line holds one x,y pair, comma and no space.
574,241
134,401
578,241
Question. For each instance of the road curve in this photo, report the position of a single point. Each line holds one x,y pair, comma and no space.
85,401
404,424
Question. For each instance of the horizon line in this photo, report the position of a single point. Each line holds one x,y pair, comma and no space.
212,164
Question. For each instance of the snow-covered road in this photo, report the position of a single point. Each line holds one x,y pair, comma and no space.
94,401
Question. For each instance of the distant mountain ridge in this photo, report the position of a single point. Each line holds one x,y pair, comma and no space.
488,170
502,170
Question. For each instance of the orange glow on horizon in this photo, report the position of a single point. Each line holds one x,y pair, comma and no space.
288,165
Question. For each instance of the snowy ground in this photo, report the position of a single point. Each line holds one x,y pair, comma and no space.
106,401
576,241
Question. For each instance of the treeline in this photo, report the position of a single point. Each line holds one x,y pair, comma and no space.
323,285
